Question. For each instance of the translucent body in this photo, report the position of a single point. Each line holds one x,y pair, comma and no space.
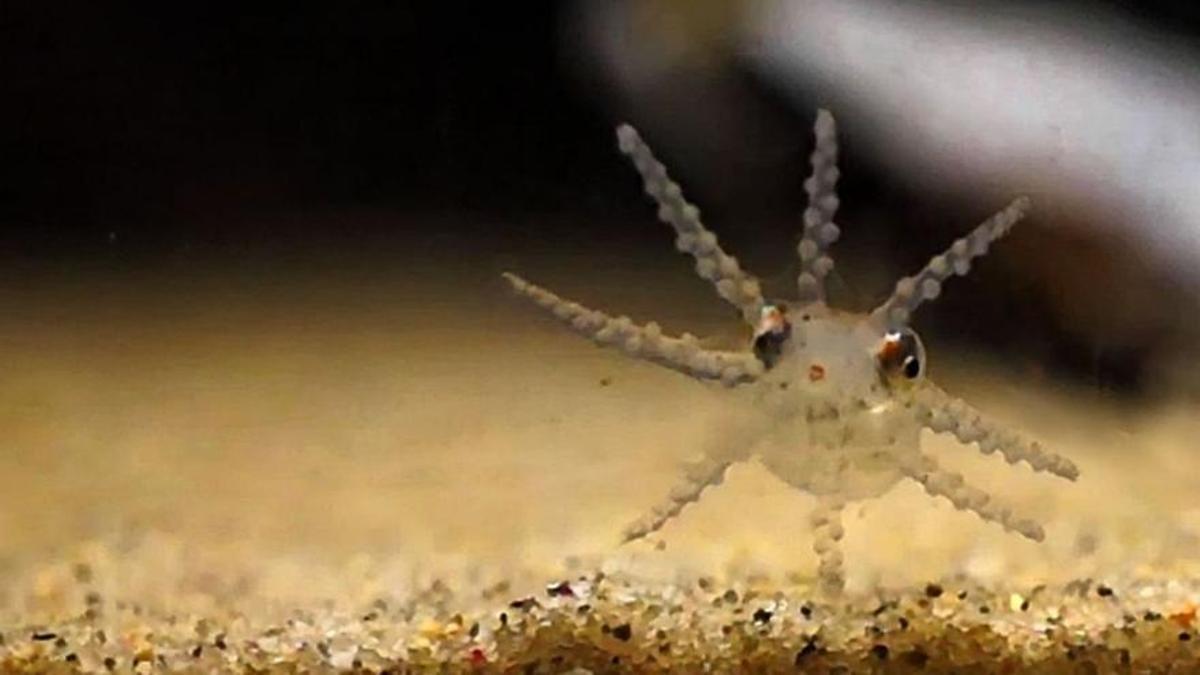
836,425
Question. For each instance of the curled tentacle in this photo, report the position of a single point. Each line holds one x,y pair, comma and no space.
943,413
645,342
910,292
738,288
819,229
939,482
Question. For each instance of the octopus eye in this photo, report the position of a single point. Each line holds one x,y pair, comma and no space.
772,332
901,354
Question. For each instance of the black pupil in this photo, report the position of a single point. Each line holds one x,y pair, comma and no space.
912,367
769,346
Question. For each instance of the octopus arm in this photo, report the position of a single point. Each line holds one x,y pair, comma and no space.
943,413
819,229
737,287
939,482
826,523
911,292
697,477
646,342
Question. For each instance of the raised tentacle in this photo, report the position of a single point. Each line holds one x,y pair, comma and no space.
910,292
738,288
939,482
943,413
644,342
819,229
826,522
698,477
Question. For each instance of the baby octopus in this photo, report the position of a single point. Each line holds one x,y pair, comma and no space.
838,398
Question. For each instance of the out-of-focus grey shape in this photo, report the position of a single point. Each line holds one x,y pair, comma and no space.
1061,102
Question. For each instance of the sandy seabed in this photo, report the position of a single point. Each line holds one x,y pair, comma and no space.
342,475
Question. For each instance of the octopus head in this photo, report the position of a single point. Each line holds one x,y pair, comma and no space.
836,389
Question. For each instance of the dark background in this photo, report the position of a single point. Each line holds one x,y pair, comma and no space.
157,120
201,133
160,123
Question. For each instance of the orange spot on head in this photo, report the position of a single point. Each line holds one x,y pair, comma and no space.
816,372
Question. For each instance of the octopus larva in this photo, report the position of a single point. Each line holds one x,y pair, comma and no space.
839,398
